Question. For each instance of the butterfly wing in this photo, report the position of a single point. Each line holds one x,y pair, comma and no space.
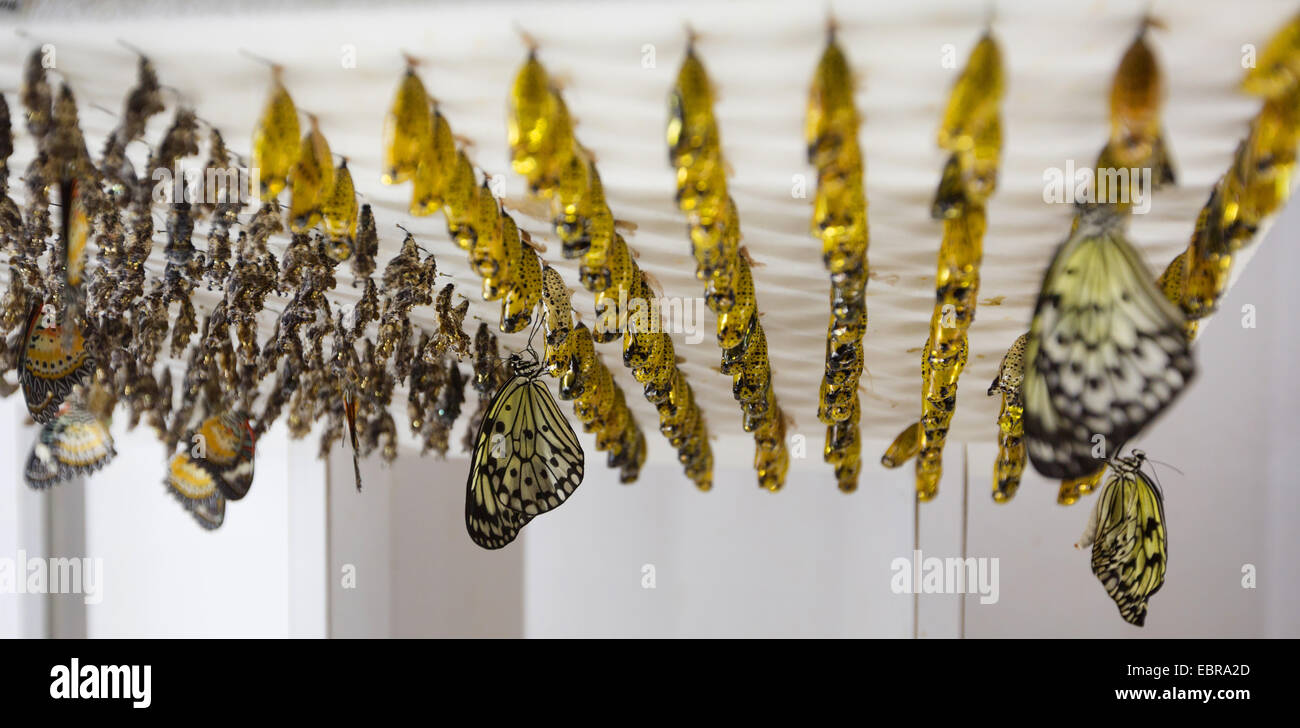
50,364
490,524
1106,353
534,461
210,514
1129,554
42,469
229,453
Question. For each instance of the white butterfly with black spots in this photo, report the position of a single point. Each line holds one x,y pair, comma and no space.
1106,353
527,459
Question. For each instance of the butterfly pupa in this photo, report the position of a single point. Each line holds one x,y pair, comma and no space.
974,97
311,180
436,171
276,144
1277,66
407,129
339,208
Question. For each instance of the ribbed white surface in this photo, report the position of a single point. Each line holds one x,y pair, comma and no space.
761,55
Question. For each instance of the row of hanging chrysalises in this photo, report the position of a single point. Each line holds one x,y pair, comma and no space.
1098,363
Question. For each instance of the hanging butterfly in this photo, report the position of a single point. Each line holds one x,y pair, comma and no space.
1106,351
218,466
1127,533
195,487
73,443
527,459
50,364
230,449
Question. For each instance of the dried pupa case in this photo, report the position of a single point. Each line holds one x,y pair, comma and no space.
275,140
497,285
461,203
407,129
437,169
311,181
340,208
522,298
734,321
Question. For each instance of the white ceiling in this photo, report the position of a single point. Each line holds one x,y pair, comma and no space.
1059,57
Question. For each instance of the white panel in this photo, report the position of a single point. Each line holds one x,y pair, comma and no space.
940,535
359,549
308,541
23,527
736,562
165,576
417,572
